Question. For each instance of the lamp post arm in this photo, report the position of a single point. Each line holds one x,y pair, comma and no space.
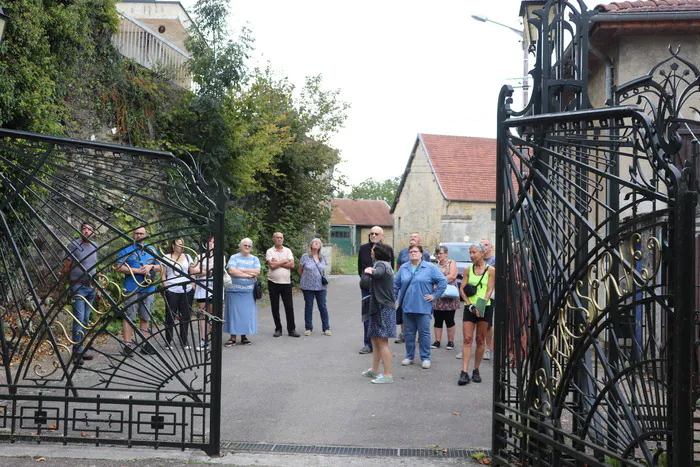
484,19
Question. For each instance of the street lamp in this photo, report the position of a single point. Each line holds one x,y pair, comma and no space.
3,21
520,33
531,21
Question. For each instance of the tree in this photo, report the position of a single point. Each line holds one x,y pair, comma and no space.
376,189
280,156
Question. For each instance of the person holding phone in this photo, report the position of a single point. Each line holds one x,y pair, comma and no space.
476,290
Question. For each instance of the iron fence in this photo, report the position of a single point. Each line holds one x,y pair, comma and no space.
154,378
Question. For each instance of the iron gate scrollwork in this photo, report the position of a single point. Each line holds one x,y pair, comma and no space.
595,329
164,388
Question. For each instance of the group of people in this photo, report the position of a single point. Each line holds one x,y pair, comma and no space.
187,284
412,294
244,269
408,296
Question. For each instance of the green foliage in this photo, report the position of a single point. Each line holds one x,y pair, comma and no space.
52,57
376,189
252,132
343,264
218,63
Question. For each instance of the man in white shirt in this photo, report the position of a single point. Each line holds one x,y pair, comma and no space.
280,262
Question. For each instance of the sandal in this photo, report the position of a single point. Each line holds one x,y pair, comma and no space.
230,343
245,341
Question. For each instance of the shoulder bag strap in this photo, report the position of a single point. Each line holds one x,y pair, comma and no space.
482,276
319,260
406,289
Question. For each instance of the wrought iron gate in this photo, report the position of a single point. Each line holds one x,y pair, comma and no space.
164,388
595,362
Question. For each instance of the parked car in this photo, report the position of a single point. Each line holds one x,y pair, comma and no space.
459,253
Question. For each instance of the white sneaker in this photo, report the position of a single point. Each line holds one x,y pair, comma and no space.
459,356
307,332
406,361
425,364
487,354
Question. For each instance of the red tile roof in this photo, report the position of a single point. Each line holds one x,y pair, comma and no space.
465,167
360,212
650,5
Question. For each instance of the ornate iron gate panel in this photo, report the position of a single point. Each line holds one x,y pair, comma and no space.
154,378
595,361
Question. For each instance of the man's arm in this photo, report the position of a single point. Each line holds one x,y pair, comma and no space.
67,263
271,261
359,262
289,264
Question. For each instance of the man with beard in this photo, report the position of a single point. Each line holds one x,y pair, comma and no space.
139,265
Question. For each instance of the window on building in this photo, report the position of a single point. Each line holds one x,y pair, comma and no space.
493,215
340,234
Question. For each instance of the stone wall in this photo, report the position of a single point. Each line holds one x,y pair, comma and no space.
420,206
465,221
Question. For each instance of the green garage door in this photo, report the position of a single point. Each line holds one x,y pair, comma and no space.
340,238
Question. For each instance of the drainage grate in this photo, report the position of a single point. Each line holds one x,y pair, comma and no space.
349,450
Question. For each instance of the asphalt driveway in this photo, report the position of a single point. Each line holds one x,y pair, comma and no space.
309,390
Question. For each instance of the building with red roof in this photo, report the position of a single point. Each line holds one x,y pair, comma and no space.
447,192
351,220
629,38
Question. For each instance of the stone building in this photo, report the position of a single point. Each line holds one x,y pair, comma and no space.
629,38
447,192
352,219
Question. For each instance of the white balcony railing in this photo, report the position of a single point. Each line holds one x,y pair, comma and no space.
136,41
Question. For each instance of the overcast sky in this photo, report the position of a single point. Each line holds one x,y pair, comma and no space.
406,67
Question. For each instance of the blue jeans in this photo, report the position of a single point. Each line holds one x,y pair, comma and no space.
320,296
417,322
365,306
81,311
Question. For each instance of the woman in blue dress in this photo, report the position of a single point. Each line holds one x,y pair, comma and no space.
241,313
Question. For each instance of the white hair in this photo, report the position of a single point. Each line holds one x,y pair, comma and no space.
243,240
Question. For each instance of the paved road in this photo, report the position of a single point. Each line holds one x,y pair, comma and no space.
309,390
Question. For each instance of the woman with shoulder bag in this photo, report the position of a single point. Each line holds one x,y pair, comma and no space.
444,308
476,290
204,286
241,310
179,291
313,283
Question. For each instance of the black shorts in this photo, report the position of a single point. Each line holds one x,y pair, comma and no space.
470,317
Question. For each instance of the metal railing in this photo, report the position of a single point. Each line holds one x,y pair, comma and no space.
136,41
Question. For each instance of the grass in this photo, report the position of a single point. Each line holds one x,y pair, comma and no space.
344,264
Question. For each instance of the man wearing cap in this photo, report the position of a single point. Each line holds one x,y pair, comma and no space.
79,264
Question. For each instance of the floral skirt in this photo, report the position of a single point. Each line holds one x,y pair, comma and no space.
387,327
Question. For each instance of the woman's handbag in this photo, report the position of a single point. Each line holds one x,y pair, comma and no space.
324,281
469,289
365,281
257,290
451,291
227,280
